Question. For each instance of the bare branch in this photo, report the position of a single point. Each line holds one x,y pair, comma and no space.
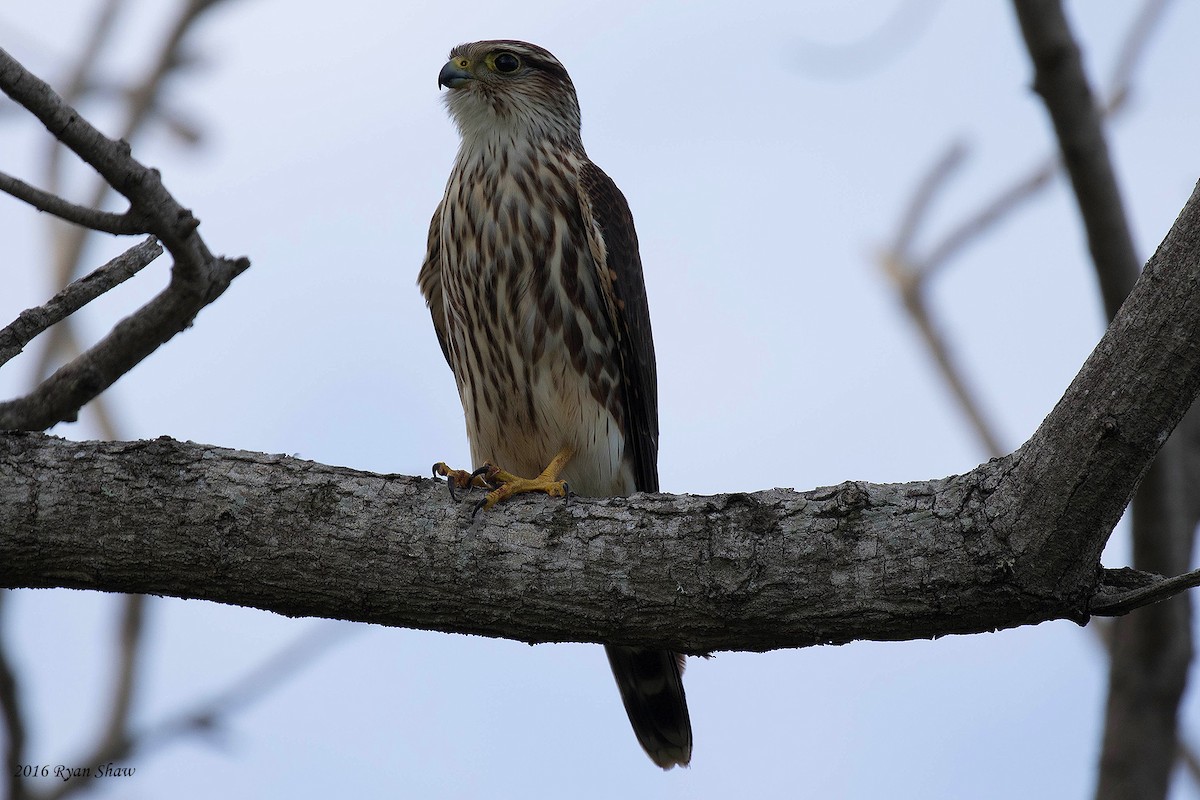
1004,203
115,740
1038,176
197,277
104,221
1154,589
910,221
1060,80
60,397
141,102
910,282
34,321
697,574
173,224
1133,48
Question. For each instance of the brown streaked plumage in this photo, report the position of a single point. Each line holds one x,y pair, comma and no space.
535,286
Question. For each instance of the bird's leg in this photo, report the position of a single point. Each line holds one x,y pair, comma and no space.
507,485
459,478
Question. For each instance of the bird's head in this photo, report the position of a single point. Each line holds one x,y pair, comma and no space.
509,87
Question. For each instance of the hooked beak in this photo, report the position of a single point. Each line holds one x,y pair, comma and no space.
454,74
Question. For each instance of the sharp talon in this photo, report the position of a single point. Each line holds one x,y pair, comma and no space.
481,471
440,470
452,476
567,493
478,506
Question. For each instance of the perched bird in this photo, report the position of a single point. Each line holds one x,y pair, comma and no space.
534,282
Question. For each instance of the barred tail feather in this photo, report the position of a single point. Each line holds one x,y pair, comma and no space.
652,689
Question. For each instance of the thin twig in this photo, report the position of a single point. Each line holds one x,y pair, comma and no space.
1038,176
1154,592
1000,206
92,218
59,398
913,297
1129,57
33,321
937,176
115,740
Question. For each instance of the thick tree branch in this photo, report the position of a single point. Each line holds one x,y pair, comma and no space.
1016,540
749,572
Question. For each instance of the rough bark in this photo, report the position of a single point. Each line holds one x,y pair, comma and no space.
1152,650
746,571
1016,540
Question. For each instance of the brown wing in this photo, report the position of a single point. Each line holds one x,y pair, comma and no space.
649,680
430,281
615,250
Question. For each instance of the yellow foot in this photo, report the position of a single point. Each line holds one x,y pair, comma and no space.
459,478
504,484
508,485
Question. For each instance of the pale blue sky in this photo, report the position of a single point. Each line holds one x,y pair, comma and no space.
762,187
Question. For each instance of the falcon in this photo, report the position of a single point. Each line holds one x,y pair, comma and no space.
534,283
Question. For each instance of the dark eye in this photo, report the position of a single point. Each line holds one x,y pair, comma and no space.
507,62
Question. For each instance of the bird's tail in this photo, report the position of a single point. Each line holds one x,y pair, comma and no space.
652,689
